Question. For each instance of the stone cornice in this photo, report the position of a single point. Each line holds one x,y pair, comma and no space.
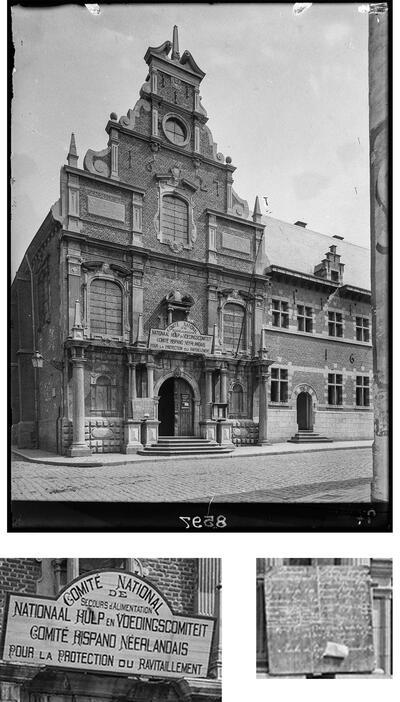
166,145
149,254
236,220
101,179
318,337
351,290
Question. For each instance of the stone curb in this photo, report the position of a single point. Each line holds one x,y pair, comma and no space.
156,459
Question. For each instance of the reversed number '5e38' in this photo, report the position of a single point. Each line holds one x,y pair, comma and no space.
208,520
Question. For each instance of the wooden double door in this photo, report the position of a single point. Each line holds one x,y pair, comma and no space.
175,408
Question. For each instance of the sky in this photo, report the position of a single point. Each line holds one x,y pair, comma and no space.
286,96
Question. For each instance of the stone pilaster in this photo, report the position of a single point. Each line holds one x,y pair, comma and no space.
78,446
114,145
263,407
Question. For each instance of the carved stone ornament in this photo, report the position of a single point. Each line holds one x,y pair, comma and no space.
95,162
178,372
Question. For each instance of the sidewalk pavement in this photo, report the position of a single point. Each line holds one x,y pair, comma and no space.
281,472
119,459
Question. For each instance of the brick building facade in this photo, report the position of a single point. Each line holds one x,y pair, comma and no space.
157,306
191,587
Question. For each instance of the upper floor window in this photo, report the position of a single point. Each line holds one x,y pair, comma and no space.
175,219
279,385
335,389
362,391
175,131
362,328
234,326
335,324
105,308
304,318
280,313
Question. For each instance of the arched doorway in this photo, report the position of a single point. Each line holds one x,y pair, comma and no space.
175,408
304,411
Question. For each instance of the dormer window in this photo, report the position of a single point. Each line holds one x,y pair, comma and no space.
178,306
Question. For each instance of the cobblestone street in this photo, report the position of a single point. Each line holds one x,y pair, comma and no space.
331,475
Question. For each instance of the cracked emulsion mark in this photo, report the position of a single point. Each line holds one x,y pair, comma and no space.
94,8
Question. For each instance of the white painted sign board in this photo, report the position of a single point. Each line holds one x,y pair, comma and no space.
108,621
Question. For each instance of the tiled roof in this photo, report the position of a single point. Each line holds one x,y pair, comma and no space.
300,249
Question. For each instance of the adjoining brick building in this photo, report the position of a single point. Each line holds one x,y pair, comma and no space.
191,587
158,306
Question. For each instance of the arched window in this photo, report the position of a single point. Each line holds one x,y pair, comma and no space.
175,219
234,327
105,308
236,403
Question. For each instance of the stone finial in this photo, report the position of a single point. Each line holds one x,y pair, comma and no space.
77,328
175,44
72,153
257,211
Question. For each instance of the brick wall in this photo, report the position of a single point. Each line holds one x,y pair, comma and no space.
176,578
17,574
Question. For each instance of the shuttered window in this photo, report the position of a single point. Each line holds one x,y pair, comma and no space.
175,218
233,322
105,308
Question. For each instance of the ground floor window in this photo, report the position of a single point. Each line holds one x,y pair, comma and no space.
335,389
279,385
362,391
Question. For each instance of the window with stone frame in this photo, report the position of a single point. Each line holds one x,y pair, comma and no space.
236,401
335,323
175,219
362,391
234,326
362,329
335,389
105,308
280,313
304,318
279,385
103,397
43,294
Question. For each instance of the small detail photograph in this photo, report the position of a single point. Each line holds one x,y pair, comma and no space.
110,628
324,617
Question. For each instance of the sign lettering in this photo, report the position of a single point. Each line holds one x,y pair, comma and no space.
319,620
180,336
109,621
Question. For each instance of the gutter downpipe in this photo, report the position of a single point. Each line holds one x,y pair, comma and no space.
35,370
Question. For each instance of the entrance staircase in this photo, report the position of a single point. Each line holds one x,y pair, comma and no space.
184,446
308,436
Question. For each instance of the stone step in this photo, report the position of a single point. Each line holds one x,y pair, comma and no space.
160,451
311,438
